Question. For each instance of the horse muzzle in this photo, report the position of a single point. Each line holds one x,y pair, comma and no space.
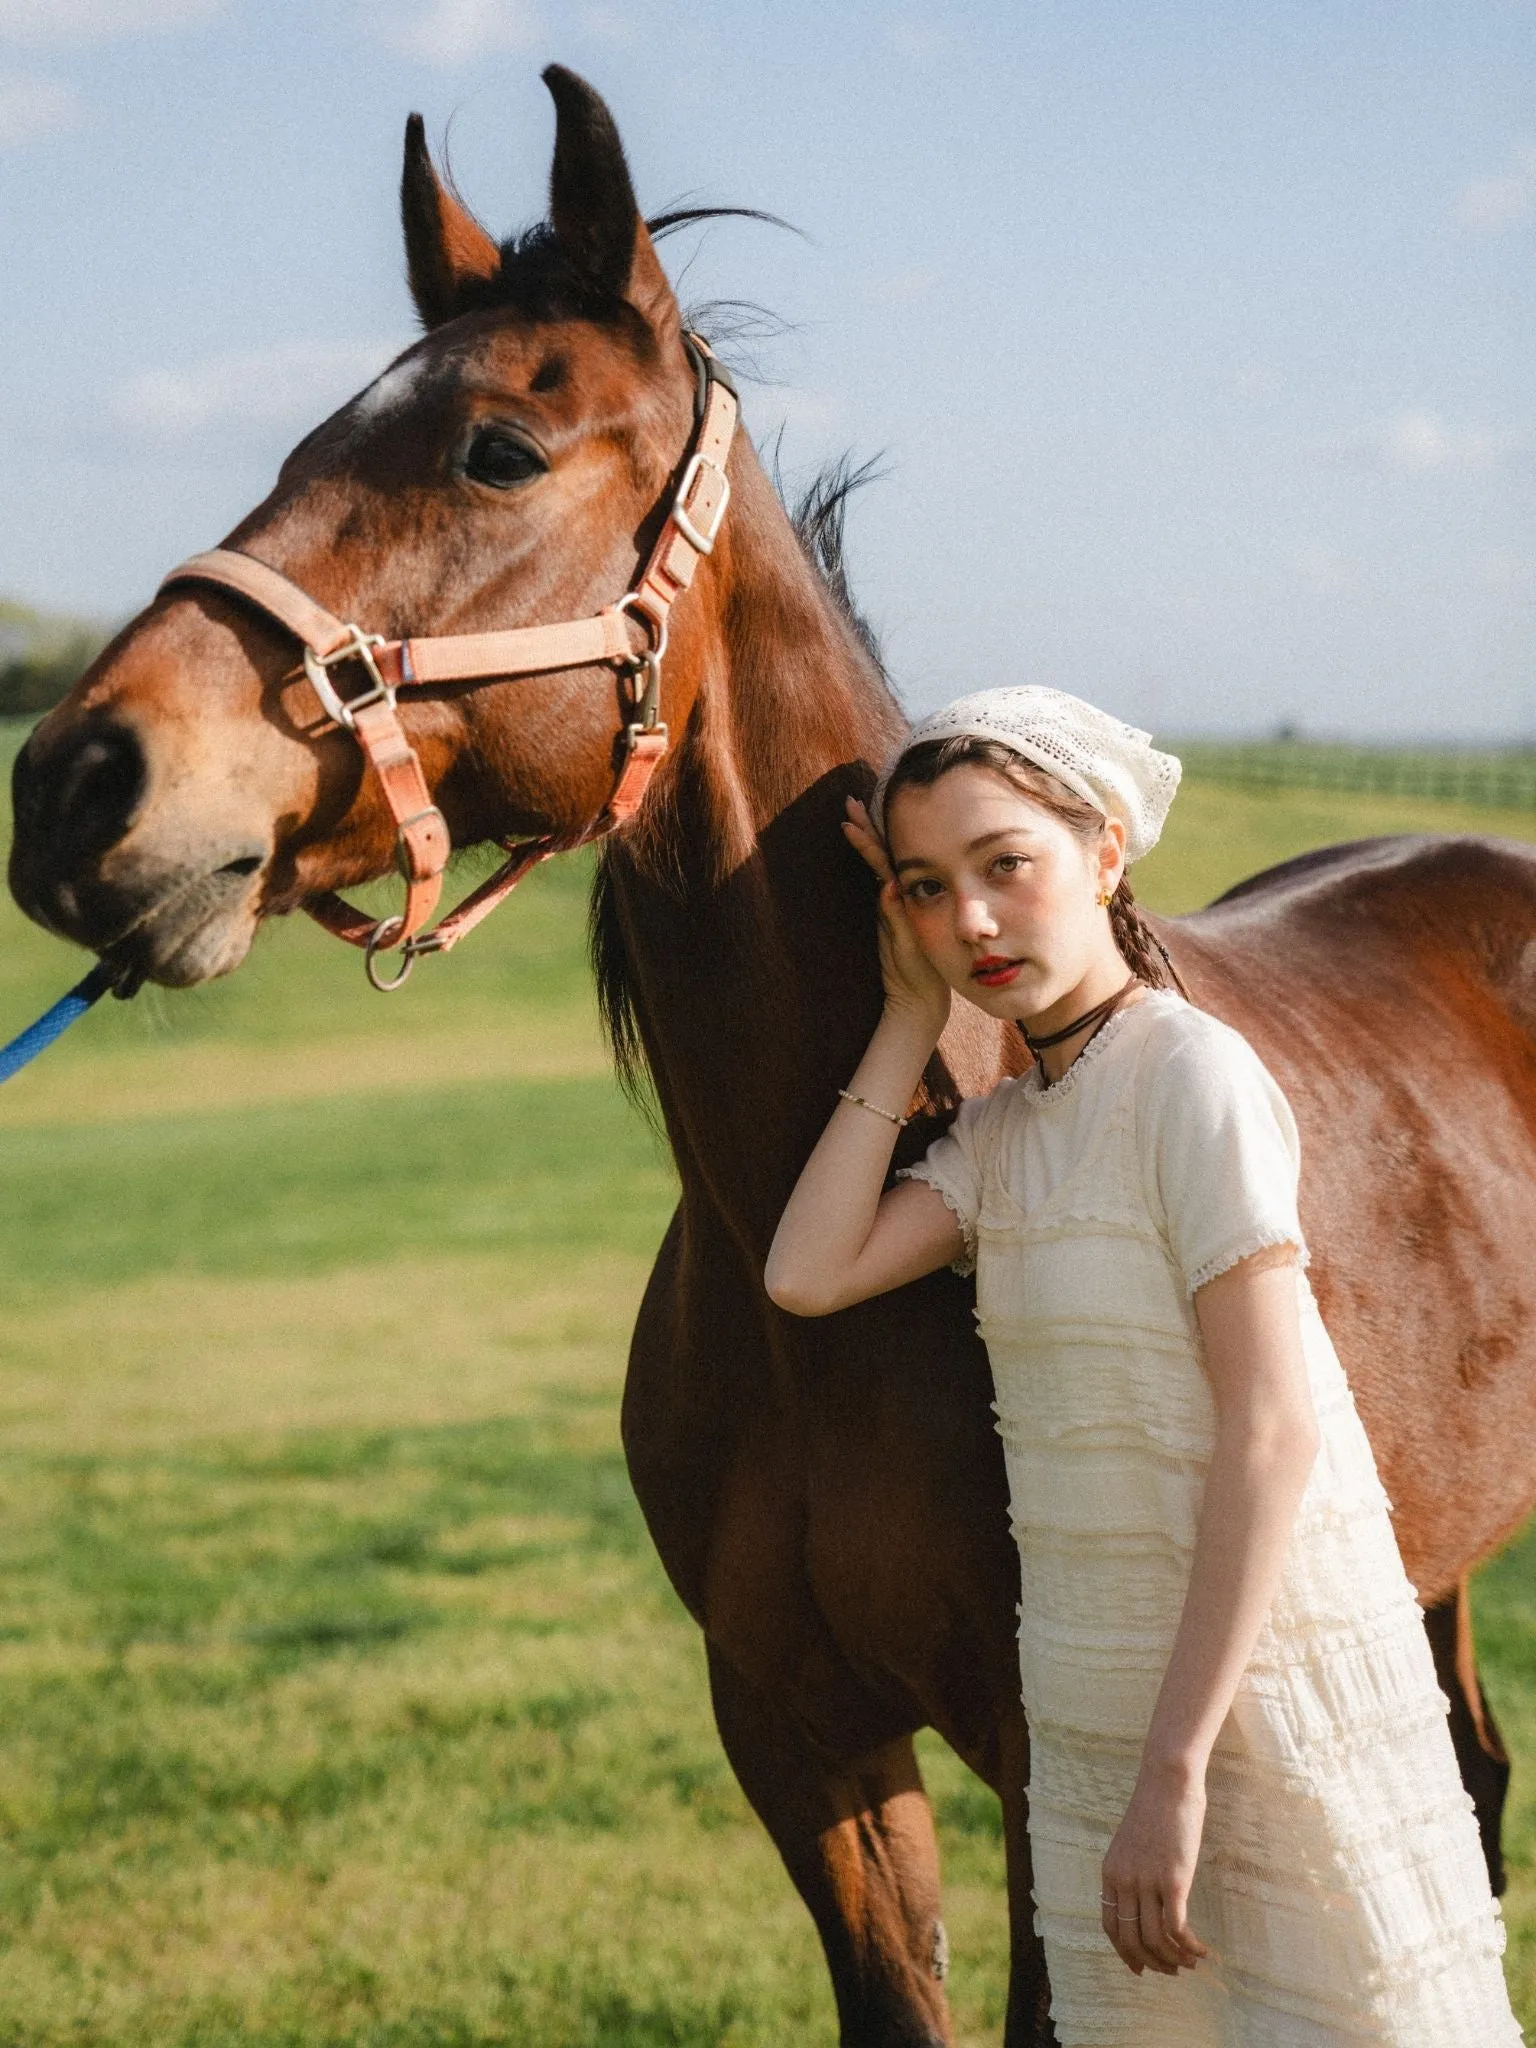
84,864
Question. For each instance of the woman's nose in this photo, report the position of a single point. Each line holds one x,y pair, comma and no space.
974,919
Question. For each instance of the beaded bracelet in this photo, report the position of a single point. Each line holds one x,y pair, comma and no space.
889,1114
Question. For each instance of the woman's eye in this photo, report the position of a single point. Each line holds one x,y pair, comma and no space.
921,892
1010,863
502,459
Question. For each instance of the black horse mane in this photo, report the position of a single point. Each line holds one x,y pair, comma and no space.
819,517
539,278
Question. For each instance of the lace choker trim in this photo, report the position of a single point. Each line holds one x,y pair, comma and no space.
1107,1034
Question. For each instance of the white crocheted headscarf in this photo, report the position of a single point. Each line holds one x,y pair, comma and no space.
1112,766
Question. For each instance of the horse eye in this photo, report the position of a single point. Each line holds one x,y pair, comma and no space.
502,459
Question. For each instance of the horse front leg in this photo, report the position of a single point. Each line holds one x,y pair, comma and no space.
1479,1746
857,1839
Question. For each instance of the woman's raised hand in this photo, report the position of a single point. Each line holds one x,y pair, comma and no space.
913,986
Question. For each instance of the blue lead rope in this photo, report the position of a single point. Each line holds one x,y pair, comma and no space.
55,1022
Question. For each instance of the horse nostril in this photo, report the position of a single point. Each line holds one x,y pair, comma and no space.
247,864
81,794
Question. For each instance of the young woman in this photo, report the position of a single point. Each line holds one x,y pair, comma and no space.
1245,1812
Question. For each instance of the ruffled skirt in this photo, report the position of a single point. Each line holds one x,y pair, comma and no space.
1341,1885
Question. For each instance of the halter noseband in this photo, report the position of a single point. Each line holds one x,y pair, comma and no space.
422,843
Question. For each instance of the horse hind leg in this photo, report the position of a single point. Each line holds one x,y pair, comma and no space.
1029,1990
1479,1746
857,1839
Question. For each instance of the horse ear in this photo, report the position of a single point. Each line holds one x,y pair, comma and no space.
446,249
592,202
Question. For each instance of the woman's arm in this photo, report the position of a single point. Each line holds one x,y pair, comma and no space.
840,1239
1266,1443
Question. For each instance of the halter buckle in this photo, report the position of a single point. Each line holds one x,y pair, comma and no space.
701,542
358,646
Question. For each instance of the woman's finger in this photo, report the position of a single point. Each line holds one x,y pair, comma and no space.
865,840
1163,1954
893,916
868,848
1113,1933
1128,1938
1176,1920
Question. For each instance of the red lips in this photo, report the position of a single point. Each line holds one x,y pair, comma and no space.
993,970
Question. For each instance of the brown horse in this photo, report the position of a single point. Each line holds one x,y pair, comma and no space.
828,1498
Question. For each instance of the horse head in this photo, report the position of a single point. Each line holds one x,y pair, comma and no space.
510,468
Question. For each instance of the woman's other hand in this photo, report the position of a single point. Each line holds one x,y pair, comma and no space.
865,840
913,986
1147,1875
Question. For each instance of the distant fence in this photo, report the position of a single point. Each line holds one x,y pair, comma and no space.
1498,780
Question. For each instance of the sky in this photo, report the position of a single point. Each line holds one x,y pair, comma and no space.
1195,341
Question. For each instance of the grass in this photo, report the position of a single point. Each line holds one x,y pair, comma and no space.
342,1701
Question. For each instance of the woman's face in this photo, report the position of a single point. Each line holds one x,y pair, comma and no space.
1001,894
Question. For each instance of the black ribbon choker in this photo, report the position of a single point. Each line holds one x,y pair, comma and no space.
1098,1016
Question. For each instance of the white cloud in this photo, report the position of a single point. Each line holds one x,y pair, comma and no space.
32,105
39,22
291,385
450,33
1423,444
1486,206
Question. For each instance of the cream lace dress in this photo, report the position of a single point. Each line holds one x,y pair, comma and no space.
1341,1884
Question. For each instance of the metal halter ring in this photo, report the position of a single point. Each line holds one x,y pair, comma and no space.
379,936
633,602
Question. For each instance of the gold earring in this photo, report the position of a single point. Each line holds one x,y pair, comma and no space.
1105,899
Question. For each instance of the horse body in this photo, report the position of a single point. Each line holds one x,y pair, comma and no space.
1391,989
828,1498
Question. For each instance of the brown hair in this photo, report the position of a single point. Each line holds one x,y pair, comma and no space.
1141,949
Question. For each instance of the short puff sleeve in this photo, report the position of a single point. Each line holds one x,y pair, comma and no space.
1220,1150
952,1166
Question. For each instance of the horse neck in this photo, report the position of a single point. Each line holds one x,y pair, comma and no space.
746,919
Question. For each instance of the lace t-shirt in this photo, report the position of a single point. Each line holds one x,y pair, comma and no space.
1219,1153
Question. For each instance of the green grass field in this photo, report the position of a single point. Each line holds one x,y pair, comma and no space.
341,1698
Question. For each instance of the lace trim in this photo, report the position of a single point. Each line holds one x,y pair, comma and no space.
1057,1091
965,1266
1257,1241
